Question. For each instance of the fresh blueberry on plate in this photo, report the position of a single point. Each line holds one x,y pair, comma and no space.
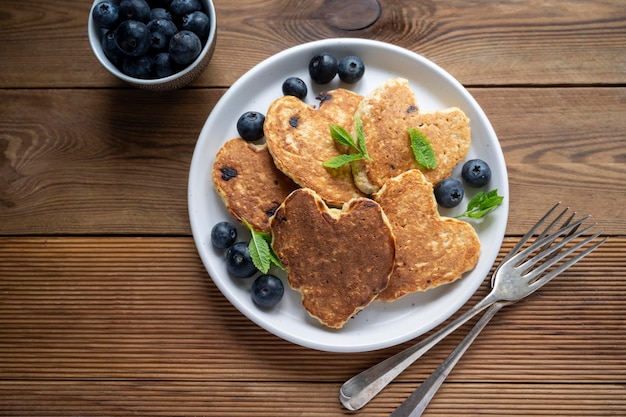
351,69
267,291
223,235
476,173
449,192
238,261
250,126
323,68
294,86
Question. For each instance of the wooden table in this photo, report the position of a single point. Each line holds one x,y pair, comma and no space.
106,308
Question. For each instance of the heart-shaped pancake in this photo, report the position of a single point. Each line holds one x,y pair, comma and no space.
386,115
298,137
249,183
430,250
339,260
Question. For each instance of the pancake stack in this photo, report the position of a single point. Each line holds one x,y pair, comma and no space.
367,230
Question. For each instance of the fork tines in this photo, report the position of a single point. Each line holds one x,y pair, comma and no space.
548,249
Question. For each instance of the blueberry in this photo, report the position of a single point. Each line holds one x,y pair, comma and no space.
476,173
160,13
351,69
323,68
198,23
163,66
133,38
223,235
179,8
449,192
106,15
238,261
250,126
294,86
110,49
135,10
161,31
185,47
267,291
138,66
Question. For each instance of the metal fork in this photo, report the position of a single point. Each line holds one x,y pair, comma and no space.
512,281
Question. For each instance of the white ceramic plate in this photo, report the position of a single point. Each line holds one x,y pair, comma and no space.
379,325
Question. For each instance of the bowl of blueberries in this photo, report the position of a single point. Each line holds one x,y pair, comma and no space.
157,45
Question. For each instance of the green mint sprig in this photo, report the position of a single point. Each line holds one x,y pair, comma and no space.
261,251
422,150
341,136
481,204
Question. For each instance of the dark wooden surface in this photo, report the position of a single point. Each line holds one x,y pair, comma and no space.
106,309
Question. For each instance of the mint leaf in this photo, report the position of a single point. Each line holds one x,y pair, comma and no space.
274,259
481,204
360,138
260,250
341,160
272,256
422,150
340,135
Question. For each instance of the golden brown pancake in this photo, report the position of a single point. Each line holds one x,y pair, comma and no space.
298,137
249,183
339,260
386,115
430,250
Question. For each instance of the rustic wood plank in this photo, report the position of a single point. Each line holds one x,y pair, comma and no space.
106,309
525,42
225,399
70,161
144,308
561,144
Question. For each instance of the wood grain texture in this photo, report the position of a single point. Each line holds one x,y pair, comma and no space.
289,399
111,308
64,153
114,326
494,43
106,308
560,144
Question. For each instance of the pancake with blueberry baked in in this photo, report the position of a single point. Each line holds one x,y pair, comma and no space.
298,137
249,183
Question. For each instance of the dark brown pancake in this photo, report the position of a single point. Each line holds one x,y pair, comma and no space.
249,183
339,260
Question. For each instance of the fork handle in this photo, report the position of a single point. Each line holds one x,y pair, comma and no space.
417,402
360,389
